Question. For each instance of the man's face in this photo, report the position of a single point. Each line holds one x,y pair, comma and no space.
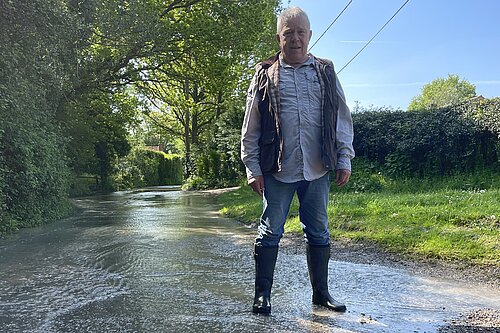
294,39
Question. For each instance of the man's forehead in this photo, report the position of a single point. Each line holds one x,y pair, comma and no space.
296,22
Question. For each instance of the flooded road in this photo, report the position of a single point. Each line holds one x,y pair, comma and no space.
164,261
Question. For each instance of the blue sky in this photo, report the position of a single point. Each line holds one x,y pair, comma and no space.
427,40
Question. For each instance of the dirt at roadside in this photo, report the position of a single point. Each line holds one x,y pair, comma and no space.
480,321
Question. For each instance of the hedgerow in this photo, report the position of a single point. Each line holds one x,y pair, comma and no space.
432,143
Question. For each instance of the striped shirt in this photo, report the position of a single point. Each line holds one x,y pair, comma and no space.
300,105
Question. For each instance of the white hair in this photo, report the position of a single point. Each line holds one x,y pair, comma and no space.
289,13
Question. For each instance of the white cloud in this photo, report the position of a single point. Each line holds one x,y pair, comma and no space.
364,42
408,84
383,85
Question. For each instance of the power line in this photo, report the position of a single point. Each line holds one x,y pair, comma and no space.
317,40
373,36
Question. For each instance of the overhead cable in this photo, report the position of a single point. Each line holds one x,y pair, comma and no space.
317,40
373,36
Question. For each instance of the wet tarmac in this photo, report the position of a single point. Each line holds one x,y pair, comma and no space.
164,261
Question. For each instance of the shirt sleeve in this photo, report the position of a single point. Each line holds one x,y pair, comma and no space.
251,131
345,132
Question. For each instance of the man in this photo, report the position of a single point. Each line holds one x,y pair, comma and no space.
297,128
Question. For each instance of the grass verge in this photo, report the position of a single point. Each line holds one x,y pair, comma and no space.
442,220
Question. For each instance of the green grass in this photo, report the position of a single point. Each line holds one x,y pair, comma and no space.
437,218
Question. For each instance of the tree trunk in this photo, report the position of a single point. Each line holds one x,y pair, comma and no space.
187,143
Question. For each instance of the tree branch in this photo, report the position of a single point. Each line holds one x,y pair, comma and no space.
176,4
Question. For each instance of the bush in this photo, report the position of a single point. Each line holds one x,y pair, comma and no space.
433,143
366,176
143,167
36,60
214,170
485,112
83,185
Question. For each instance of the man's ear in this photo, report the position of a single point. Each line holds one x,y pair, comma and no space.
278,38
310,34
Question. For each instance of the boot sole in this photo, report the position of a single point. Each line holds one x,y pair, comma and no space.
336,309
263,311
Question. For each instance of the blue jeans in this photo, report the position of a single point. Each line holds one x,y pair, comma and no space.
313,201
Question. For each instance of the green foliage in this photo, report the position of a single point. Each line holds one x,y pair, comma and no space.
84,185
97,124
371,177
436,142
485,112
222,40
170,169
213,170
69,71
368,177
220,165
442,92
36,61
144,167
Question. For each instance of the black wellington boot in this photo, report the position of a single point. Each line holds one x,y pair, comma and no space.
265,260
317,262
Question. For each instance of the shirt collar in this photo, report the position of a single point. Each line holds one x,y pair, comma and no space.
308,62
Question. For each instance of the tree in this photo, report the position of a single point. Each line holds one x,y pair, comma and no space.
122,43
189,94
442,92
68,70
187,57
37,58
98,123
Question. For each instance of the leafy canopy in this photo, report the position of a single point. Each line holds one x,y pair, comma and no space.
442,92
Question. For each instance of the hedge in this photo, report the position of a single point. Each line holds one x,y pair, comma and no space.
437,142
144,167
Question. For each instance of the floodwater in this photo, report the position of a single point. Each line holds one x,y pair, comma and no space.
164,261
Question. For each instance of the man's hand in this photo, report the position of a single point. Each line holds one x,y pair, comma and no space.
342,176
257,184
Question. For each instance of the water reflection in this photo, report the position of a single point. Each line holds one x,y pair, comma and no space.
163,261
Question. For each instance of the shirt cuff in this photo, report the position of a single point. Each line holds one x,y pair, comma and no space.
343,162
253,174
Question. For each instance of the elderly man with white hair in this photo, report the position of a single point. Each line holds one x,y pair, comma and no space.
297,129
